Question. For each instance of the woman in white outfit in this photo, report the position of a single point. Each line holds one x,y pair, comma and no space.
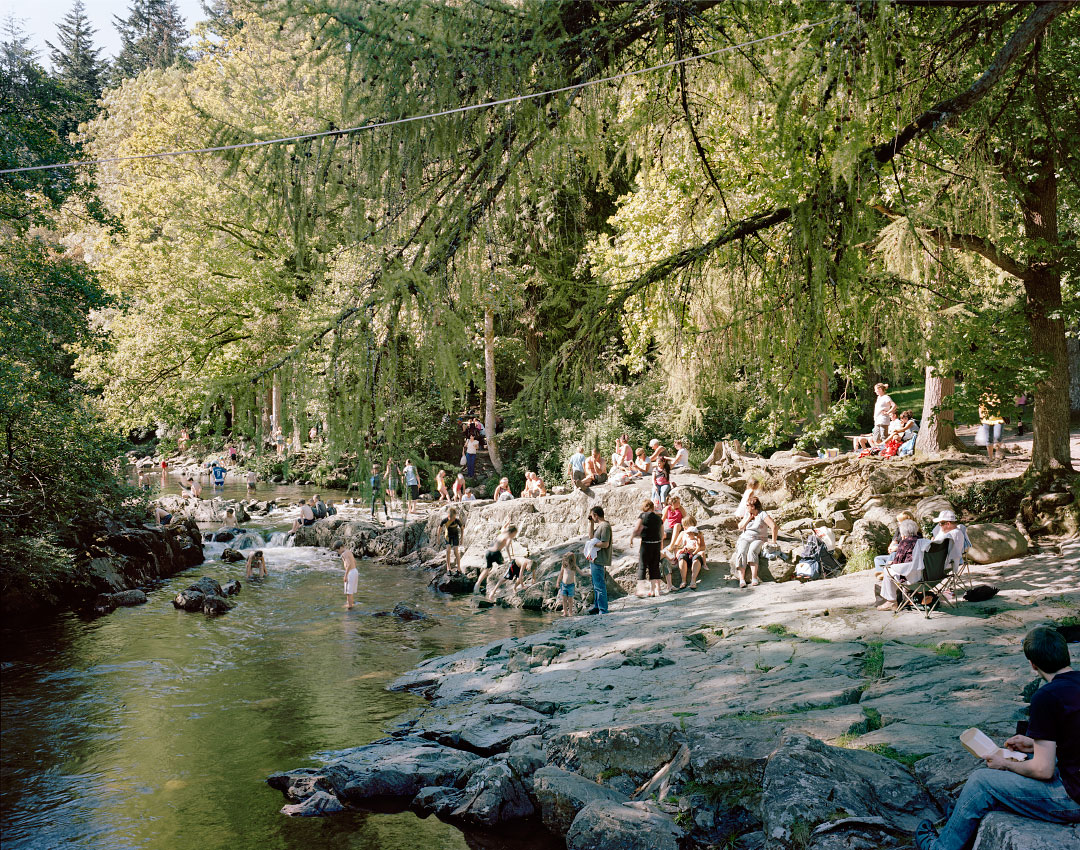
755,527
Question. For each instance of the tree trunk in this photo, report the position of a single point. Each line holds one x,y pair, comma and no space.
275,405
936,432
1042,285
489,388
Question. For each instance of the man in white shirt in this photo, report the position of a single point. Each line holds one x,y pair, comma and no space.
948,529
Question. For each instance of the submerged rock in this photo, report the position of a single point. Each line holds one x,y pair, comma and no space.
215,605
231,588
318,804
206,595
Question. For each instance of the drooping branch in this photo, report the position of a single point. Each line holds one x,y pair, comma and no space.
946,110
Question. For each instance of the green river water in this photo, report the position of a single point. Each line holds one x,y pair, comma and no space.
156,728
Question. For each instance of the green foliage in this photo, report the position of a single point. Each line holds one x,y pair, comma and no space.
778,629
56,456
829,430
873,662
859,562
906,759
991,500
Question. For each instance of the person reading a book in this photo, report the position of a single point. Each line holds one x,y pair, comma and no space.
1045,786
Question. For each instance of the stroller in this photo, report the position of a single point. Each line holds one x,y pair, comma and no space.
816,561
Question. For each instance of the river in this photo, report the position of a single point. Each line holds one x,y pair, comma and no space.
156,728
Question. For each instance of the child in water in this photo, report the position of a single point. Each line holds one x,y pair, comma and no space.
352,577
568,573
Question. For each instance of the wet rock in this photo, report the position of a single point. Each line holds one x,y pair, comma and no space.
403,612
231,588
494,794
232,556
606,825
206,586
213,604
225,536
127,598
390,769
1001,831
437,800
189,600
636,751
807,781
318,804
992,542
456,583
486,731
561,794
299,784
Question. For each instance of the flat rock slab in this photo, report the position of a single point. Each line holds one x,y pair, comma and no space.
562,794
1001,831
807,781
606,825
483,729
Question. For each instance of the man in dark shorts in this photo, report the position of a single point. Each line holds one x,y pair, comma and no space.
650,528
1044,787
600,536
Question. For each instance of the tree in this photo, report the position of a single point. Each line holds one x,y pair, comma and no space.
75,58
151,36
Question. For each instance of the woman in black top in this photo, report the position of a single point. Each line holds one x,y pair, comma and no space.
452,528
650,529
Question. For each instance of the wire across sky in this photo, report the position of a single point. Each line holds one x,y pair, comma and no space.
345,131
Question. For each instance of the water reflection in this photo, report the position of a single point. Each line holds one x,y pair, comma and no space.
156,728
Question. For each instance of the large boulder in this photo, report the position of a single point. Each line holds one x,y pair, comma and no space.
868,535
807,781
125,598
636,751
607,825
930,507
732,751
1002,831
189,600
390,769
561,794
494,794
993,541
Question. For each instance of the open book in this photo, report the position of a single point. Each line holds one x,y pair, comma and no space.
980,746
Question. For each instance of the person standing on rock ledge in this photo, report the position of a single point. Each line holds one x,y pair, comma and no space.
600,537
1044,787
650,529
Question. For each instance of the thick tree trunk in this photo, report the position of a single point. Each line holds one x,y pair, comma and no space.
936,431
489,388
1042,285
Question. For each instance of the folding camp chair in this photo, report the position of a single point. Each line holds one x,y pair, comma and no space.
936,581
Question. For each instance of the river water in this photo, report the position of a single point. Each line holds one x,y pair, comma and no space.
156,728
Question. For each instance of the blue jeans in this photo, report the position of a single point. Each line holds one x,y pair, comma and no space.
907,447
881,560
470,465
599,587
1002,790
659,494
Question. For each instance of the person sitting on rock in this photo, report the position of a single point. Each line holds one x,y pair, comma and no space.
568,574
662,482
910,433
256,561
318,507
330,509
682,456
752,488
691,553
595,470
306,518
658,450
642,464
494,555
1047,785
755,527
902,565
469,496
162,516
194,488
503,493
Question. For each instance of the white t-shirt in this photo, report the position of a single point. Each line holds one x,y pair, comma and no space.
472,446
880,406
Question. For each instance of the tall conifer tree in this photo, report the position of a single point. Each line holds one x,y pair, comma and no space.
152,36
75,59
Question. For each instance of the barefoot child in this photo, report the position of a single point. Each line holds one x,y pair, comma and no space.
568,573
348,560
256,561
452,528
495,554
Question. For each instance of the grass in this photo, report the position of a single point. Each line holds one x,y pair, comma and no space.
911,398
858,562
874,661
1071,620
816,639
608,773
906,759
778,629
871,722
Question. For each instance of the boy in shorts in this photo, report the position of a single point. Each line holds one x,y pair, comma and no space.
352,577
452,528
568,573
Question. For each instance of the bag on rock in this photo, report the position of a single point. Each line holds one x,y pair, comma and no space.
808,570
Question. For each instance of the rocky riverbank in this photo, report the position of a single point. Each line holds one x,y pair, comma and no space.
790,716
119,560
786,716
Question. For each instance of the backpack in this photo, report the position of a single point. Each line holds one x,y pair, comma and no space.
807,570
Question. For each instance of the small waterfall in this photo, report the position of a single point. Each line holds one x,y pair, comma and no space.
248,540
279,538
